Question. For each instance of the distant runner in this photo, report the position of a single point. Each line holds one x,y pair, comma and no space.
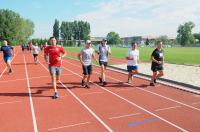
8,53
35,53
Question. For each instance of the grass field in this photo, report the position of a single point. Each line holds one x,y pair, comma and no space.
172,55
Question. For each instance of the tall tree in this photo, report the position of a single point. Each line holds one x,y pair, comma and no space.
185,36
56,29
78,30
113,38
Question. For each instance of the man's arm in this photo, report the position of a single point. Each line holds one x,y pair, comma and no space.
80,57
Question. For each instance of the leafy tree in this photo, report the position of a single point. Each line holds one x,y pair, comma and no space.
113,38
14,27
185,36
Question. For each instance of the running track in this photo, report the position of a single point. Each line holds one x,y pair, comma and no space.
26,103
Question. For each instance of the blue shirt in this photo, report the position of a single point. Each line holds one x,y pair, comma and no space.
7,50
103,52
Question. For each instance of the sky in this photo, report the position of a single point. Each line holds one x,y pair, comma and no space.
151,18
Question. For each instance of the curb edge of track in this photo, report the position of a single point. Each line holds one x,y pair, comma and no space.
167,82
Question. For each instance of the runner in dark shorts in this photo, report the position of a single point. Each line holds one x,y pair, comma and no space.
157,58
86,56
103,50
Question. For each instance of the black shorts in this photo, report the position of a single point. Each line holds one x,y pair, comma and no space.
87,70
156,68
35,55
103,63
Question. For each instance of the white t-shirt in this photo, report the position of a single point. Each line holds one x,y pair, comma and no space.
103,52
133,54
87,54
35,49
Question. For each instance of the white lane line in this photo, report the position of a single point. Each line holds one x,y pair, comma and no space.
91,93
168,108
10,102
132,103
93,113
30,98
83,104
162,96
73,125
3,72
122,116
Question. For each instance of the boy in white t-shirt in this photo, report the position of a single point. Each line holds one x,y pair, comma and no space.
133,60
35,53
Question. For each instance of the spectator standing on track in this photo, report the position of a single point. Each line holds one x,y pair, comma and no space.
103,50
133,61
44,46
8,53
86,56
35,53
53,55
157,58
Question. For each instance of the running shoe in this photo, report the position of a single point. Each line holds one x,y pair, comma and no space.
55,95
152,84
100,80
82,82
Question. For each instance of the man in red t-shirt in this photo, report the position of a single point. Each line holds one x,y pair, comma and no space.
53,55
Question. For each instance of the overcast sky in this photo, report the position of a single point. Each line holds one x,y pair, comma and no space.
126,17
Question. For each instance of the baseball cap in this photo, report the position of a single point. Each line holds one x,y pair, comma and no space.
88,42
104,40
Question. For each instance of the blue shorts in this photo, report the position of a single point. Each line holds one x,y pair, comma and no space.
132,68
55,70
6,59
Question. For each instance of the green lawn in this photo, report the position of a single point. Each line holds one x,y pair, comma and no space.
172,55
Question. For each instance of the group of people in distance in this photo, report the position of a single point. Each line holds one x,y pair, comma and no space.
54,53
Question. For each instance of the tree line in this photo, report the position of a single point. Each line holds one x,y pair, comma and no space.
15,28
71,31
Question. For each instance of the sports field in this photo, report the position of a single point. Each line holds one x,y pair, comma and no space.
172,55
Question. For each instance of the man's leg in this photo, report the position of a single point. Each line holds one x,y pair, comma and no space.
153,78
8,63
160,74
54,86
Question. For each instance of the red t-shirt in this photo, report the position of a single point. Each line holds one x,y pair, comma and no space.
54,53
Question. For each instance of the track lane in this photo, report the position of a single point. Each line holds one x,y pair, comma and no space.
135,95
14,103
63,114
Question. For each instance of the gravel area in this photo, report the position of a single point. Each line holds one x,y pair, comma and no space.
180,73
